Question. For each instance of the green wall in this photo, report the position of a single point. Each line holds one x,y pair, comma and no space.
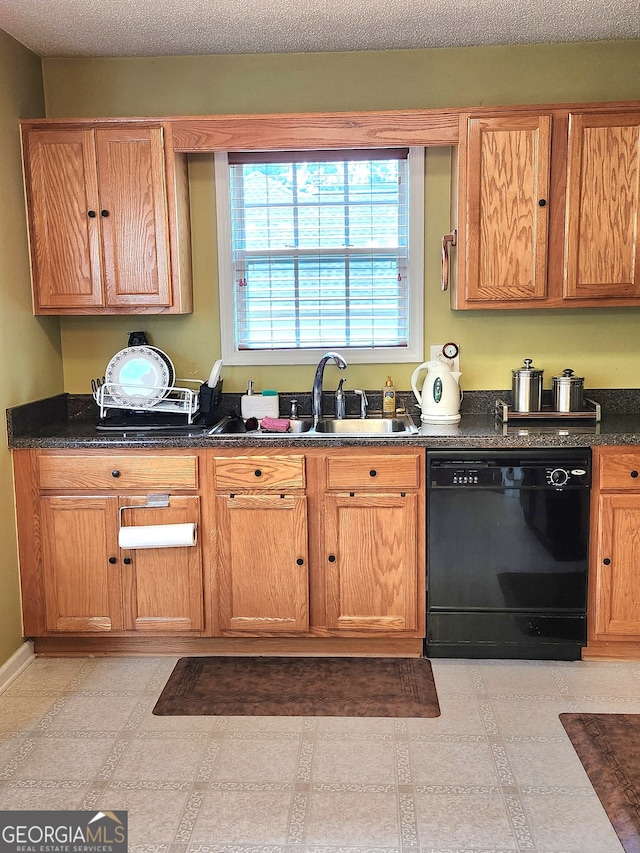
599,344
30,351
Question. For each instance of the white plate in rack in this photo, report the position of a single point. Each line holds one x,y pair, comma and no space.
139,377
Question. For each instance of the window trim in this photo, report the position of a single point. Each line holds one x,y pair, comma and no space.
414,350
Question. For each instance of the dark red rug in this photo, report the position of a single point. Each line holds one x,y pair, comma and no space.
296,687
608,746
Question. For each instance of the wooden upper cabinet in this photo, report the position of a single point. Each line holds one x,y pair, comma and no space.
62,188
503,210
602,257
548,210
108,220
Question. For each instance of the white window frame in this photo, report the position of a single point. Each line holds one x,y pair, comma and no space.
414,351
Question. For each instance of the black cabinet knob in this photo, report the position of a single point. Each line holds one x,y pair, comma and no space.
634,474
104,213
258,472
542,202
300,561
127,561
373,473
91,214
607,561
332,558
112,560
115,473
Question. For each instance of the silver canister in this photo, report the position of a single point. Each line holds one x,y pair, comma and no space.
568,392
527,388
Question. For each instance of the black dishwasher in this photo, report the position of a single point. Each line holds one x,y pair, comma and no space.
507,551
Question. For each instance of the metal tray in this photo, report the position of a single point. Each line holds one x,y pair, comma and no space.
592,413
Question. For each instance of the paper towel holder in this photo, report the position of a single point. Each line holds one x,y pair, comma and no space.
153,502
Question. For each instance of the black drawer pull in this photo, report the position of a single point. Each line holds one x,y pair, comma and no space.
373,473
634,474
127,561
115,473
112,560
332,558
300,561
607,561
91,214
258,472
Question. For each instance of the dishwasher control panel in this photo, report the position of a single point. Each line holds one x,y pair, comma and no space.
507,471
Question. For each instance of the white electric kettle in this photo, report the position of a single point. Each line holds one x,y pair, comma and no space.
440,398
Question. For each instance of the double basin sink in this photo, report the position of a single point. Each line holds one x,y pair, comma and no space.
397,426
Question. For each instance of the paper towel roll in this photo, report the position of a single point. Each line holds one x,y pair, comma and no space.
158,536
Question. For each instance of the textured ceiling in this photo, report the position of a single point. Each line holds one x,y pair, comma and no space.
187,27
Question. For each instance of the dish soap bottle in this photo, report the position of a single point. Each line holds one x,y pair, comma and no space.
389,398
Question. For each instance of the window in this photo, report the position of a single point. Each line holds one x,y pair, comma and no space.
321,250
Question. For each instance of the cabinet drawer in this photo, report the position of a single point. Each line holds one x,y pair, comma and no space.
66,471
393,471
620,470
259,472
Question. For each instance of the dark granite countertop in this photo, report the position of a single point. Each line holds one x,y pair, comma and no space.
69,422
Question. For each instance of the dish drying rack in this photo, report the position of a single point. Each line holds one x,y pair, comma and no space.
174,399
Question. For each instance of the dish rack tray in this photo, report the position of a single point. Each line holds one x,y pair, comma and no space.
591,412
176,400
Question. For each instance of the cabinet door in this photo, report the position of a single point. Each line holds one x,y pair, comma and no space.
133,216
603,207
371,560
163,587
263,563
64,225
617,569
504,186
81,565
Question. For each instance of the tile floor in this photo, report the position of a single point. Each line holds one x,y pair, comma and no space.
495,773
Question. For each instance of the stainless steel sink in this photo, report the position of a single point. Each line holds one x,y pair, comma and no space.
334,428
366,426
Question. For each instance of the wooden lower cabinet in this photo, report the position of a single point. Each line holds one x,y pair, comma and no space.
163,587
617,567
263,564
371,556
91,584
330,544
614,600
80,569
299,551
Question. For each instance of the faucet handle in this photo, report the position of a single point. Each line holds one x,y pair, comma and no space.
363,402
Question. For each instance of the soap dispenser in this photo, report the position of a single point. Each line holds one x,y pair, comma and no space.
341,409
389,398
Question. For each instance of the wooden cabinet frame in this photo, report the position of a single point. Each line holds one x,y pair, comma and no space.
308,131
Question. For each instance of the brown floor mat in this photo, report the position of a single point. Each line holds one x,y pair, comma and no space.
293,686
609,747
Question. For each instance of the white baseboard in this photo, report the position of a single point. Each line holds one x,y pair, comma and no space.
16,664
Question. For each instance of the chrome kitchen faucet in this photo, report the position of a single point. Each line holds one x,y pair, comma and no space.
316,403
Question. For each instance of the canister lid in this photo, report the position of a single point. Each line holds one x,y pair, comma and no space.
527,370
567,378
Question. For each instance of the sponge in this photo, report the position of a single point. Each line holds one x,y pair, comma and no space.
274,424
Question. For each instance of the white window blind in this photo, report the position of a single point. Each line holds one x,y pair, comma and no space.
320,251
